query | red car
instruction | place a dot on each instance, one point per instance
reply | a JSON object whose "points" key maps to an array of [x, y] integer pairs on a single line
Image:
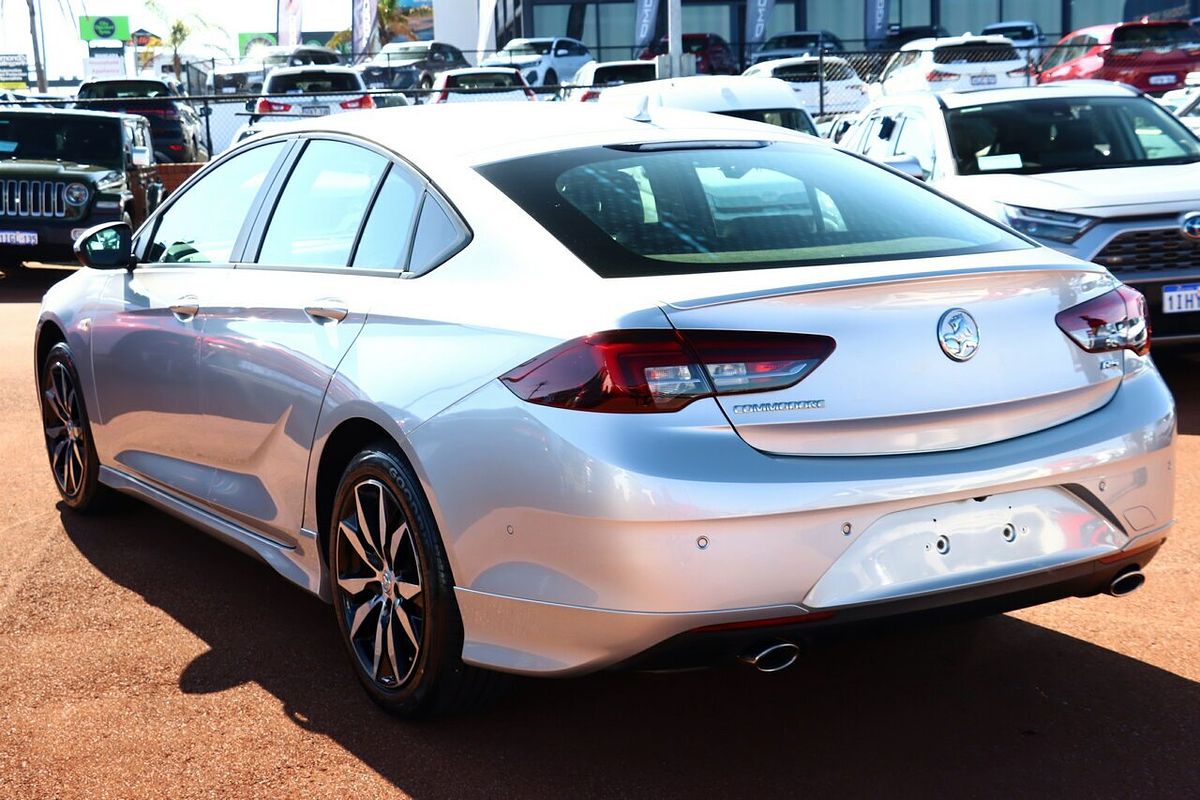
{"points": [[1152, 56], [713, 56]]}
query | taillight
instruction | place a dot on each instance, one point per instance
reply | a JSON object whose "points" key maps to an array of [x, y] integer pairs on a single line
{"points": [[936, 76], [443, 97], [590, 95], [265, 106], [1113, 321], [1020, 72], [359, 102], [664, 370]]}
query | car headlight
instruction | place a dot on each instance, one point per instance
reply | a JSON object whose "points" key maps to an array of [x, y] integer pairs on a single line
{"points": [[531, 77], [77, 193], [1057, 226]]}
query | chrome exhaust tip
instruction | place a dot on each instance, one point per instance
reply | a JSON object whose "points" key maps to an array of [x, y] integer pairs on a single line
{"points": [[772, 657], [1126, 583]]}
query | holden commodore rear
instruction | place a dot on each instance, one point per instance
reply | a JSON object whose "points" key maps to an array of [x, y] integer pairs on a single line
{"points": [[669, 392]]}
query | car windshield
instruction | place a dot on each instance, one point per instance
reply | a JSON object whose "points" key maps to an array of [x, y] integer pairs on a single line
{"points": [[484, 80], [792, 41], [678, 208], [791, 118], [313, 81], [82, 140], [624, 73], [1136, 37], [809, 73], [974, 53], [1060, 134], [111, 90], [528, 48], [1011, 31]]}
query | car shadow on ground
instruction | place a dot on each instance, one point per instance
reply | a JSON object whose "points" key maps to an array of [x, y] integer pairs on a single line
{"points": [[28, 284], [1180, 367], [997, 707]]}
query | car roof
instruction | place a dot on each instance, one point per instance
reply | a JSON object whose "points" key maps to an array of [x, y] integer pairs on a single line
{"points": [[708, 93], [944, 41], [1011, 23], [71, 112], [447, 136], [335, 68], [1054, 89], [124, 79], [479, 70], [793, 60]]}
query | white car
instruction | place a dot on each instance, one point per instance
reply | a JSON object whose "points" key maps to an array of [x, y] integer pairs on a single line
{"points": [[956, 64], [480, 84], [842, 90], [542, 62], [595, 76], [310, 91], [766, 100], [1094, 169]]}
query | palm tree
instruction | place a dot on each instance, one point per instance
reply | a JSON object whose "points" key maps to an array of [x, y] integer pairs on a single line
{"points": [[178, 31], [391, 24]]}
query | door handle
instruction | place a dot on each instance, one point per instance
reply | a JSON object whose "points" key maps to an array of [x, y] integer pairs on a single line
{"points": [[185, 308], [327, 311]]}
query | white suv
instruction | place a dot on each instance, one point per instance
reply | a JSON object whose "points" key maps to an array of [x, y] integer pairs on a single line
{"points": [[1091, 168], [542, 62], [956, 63]]}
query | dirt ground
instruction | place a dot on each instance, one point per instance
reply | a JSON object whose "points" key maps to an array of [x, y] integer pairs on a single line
{"points": [[139, 658]]}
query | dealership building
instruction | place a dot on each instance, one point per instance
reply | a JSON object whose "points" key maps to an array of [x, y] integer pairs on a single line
{"points": [[607, 26]]}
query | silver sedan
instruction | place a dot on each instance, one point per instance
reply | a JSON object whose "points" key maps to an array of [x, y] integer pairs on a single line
{"points": [[591, 391]]}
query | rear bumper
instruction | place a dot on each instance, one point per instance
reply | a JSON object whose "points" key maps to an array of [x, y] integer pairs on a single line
{"points": [[576, 546]]}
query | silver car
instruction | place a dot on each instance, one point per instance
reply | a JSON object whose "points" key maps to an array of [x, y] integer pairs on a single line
{"points": [[594, 391]]}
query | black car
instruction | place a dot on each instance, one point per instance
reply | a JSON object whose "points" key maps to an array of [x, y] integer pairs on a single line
{"points": [[177, 129], [248, 75], [61, 172], [411, 65]]}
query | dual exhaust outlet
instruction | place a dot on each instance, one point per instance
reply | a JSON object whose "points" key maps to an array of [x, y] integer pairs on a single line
{"points": [[776, 656]]}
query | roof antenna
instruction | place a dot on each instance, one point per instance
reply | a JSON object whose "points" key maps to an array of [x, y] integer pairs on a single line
{"points": [[642, 112]]}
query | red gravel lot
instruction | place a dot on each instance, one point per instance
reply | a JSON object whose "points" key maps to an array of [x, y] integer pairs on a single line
{"points": [[139, 658]]}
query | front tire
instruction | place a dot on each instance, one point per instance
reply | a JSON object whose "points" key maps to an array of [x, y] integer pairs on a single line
{"points": [[393, 594], [68, 433], [551, 78]]}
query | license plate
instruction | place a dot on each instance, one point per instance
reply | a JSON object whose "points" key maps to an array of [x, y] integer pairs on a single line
{"points": [[1181, 297], [19, 237], [228, 89], [314, 111], [983, 80], [376, 85], [1162, 80]]}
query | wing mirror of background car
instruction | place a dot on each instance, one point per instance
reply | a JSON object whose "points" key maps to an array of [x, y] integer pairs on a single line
{"points": [[561, 52], [107, 246], [907, 165], [139, 156]]}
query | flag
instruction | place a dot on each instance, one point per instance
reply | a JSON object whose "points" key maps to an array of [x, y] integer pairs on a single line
{"points": [[645, 23], [287, 21], [758, 14], [875, 21], [363, 16]]}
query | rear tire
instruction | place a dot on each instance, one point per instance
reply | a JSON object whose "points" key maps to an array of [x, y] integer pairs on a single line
{"points": [[68, 434], [393, 595], [551, 78]]}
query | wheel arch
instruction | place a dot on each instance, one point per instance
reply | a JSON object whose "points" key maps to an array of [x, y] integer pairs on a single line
{"points": [[49, 333]]}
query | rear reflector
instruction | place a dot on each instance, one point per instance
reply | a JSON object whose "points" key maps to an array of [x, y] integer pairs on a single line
{"points": [[1113, 321], [639, 371]]}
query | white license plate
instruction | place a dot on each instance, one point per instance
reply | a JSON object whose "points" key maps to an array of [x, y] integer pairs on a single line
{"points": [[19, 237], [376, 85], [314, 111], [983, 80], [1181, 297], [228, 89], [1162, 80]]}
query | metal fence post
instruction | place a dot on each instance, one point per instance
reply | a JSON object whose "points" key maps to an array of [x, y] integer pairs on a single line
{"points": [[820, 78], [208, 127]]}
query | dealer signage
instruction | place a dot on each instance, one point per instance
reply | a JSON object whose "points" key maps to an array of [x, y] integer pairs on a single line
{"points": [[93, 28], [14, 71]]}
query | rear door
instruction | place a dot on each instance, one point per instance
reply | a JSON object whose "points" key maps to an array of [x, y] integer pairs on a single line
{"points": [[278, 323]]}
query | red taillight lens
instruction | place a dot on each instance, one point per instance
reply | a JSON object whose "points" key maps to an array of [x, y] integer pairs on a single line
{"points": [[1113, 321], [443, 97], [590, 95], [175, 148], [1020, 72], [359, 102], [265, 106], [936, 76], [664, 370]]}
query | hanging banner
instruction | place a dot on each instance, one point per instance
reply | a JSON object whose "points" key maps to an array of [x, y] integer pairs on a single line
{"points": [[287, 21], [645, 22], [875, 21], [758, 15], [363, 15]]}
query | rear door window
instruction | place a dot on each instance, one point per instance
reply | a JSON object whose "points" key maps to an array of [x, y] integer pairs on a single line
{"points": [[319, 213]]}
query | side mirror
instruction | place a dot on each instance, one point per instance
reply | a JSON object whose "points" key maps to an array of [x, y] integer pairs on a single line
{"points": [[140, 156], [562, 51], [907, 165], [107, 246]]}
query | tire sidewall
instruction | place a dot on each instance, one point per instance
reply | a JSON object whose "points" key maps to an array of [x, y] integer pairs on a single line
{"points": [[87, 495], [441, 634]]}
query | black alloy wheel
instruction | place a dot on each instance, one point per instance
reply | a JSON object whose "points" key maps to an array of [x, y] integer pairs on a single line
{"points": [[68, 434], [393, 595]]}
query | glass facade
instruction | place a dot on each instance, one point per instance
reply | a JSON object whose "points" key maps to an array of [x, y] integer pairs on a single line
{"points": [[606, 26]]}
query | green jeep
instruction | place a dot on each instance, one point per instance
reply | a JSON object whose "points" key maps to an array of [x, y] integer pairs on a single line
{"points": [[61, 172]]}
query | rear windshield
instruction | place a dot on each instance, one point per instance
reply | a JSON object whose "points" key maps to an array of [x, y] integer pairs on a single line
{"points": [[691, 44], [689, 208], [1012, 31], [116, 89], [1140, 36], [808, 73], [314, 81], [791, 118], [974, 53], [484, 80], [1060, 134], [83, 140], [624, 73]]}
